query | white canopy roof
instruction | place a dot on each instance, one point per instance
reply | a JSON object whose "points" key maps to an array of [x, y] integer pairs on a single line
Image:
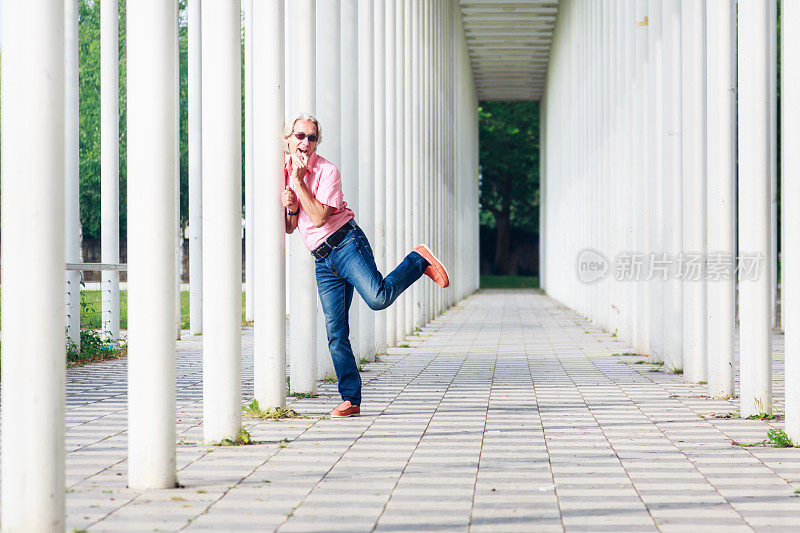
{"points": [[509, 46]]}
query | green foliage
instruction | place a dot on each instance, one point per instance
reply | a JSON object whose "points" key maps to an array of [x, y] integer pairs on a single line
{"points": [[242, 439], [775, 437], [95, 346], [89, 113], [509, 163], [275, 413]]}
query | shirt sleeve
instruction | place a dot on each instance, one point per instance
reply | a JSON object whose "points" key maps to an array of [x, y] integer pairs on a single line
{"points": [[330, 188]]}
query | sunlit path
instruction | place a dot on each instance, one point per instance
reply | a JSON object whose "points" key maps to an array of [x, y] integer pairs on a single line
{"points": [[509, 412]]}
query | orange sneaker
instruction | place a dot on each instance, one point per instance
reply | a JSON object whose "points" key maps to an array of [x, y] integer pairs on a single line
{"points": [[345, 409], [436, 271]]}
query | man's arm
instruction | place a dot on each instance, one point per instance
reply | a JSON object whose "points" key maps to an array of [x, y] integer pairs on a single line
{"points": [[316, 210]]}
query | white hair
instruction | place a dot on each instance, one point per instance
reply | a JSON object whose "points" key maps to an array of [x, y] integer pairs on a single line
{"points": [[288, 128]]}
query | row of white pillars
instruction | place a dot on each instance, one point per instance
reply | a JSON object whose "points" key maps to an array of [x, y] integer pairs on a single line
{"points": [[34, 191], [660, 124]]}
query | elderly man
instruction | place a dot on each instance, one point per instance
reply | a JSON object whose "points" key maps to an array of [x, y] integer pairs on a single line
{"points": [[315, 205]]}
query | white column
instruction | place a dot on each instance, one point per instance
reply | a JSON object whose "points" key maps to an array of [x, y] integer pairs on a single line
{"points": [[177, 233], [391, 155], [222, 212], [32, 441], [249, 148], [381, 164], [755, 394], [721, 191], [329, 112], [790, 196], [269, 353], [303, 320], [673, 293], [416, 152], [349, 137], [72, 210], [366, 164], [773, 158], [408, 177], [693, 113], [656, 172], [109, 163], [400, 160], [151, 26], [195, 140]]}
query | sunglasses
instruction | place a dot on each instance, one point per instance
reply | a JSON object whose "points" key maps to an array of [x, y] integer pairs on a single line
{"points": [[311, 137]]}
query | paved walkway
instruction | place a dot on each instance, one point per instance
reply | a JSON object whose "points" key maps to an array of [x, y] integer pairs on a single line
{"points": [[507, 413]]}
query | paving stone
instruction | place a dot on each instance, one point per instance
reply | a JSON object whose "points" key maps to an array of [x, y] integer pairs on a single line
{"points": [[509, 412]]}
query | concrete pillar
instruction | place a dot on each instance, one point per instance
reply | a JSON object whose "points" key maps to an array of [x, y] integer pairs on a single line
{"points": [[790, 196], [408, 176], [329, 112], [693, 62], [755, 298], [673, 216], [222, 201], [721, 193], [349, 166], [303, 321], [176, 227], [249, 148], [269, 353], [195, 140], [366, 177], [416, 148], [400, 162], [151, 27], [72, 210], [391, 156], [381, 164], [773, 158], [32, 437], [109, 164]]}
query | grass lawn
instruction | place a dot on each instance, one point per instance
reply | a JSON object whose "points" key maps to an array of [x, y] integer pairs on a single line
{"points": [[509, 282], [91, 307]]}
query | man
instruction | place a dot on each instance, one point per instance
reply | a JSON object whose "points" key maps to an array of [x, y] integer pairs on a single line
{"points": [[343, 257]]}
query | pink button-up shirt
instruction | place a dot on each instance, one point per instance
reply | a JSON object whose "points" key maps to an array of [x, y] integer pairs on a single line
{"points": [[325, 183]]}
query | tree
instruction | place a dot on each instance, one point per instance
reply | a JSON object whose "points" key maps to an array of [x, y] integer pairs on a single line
{"points": [[89, 61], [509, 168]]}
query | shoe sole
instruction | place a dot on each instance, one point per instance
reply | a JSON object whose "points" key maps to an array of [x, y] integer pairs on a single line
{"points": [[333, 417], [447, 274]]}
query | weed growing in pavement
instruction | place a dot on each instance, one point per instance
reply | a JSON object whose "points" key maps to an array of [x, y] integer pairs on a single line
{"points": [[329, 379], [702, 382], [276, 413], [775, 437], [640, 362], [404, 345], [673, 395], [95, 346], [654, 370], [242, 439], [676, 371], [201, 491], [796, 492], [765, 416]]}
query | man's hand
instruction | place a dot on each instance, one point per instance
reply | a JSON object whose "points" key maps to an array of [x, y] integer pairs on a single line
{"points": [[289, 200], [299, 165]]}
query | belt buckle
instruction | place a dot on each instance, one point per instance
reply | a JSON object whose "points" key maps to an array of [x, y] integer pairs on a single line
{"points": [[322, 250]]}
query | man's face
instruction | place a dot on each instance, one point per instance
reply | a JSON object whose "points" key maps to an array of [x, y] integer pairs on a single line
{"points": [[303, 148]]}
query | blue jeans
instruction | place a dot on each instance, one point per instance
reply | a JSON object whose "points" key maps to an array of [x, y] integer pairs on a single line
{"points": [[351, 265]]}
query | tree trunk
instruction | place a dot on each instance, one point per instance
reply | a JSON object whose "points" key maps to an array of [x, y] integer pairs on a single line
{"points": [[501, 251]]}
